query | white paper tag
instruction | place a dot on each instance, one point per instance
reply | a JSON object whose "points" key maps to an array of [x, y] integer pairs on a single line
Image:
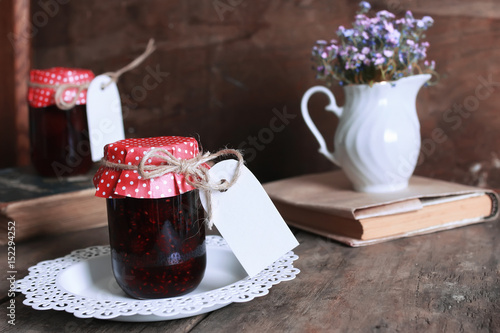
{"points": [[104, 115], [248, 220]]}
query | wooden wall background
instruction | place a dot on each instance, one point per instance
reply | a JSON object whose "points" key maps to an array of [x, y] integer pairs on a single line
{"points": [[233, 65]]}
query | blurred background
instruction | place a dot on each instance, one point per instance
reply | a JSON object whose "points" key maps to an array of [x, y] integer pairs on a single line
{"points": [[232, 73]]}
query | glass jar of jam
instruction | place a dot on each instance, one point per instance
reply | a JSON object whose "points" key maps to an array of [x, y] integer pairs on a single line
{"points": [[156, 229], [59, 139]]}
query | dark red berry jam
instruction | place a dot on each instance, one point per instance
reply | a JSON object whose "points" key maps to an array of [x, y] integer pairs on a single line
{"points": [[59, 141], [157, 245]]}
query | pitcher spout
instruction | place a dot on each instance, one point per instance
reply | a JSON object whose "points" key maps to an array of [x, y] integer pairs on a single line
{"points": [[417, 81]]}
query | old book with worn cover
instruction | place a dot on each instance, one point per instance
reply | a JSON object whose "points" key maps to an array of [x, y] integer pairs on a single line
{"points": [[40, 205], [326, 204]]}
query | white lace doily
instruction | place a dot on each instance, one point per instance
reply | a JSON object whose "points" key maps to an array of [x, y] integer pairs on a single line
{"points": [[82, 283]]}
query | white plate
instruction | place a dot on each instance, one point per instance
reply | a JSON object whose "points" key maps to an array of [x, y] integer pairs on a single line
{"points": [[82, 283]]}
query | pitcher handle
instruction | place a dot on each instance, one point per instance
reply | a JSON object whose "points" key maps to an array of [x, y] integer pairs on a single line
{"points": [[333, 107]]}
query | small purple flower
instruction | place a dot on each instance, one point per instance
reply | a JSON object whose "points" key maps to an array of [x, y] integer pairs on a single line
{"points": [[374, 21], [428, 21], [333, 49], [361, 19], [422, 53], [388, 53], [348, 32], [379, 61], [388, 27], [365, 5], [359, 57], [384, 14], [409, 19], [393, 37], [352, 48]]}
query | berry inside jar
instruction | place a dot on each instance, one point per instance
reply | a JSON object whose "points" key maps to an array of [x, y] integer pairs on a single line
{"points": [[157, 245]]}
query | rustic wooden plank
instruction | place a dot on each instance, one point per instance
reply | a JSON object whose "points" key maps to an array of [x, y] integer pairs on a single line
{"points": [[56, 321], [29, 320], [482, 9], [442, 282], [228, 70], [14, 69], [448, 281], [7, 93], [22, 49], [467, 150]]}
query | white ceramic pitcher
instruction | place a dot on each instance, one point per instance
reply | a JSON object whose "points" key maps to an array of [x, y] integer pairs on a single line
{"points": [[377, 141]]}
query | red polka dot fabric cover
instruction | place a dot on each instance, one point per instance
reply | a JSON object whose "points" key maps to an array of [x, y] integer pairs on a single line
{"points": [[39, 97], [114, 183]]}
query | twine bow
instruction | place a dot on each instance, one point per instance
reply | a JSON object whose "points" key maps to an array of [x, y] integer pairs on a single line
{"points": [[60, 89], [194, 171]]}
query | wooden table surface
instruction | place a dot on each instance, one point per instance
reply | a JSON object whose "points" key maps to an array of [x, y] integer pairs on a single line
{"points": [[443, 282]]}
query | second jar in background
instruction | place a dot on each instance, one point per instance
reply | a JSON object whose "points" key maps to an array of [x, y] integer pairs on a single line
{"points": [[59, 139]]}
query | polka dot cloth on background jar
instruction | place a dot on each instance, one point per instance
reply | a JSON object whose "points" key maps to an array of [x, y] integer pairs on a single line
{"points": [[156, 229], [59, 142]]}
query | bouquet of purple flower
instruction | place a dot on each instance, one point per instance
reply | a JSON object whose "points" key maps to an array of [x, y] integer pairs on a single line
{"points": [[380, 48]]}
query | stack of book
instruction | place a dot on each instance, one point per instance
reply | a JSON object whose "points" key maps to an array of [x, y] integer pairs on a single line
{"points": [[326, 204]]}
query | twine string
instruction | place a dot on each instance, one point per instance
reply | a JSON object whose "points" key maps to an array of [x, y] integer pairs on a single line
{"points": [[194, 171], [150, 48]]}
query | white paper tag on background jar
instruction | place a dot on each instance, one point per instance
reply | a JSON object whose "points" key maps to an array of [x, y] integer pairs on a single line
{"points": [[248, 220], [104, 115]]}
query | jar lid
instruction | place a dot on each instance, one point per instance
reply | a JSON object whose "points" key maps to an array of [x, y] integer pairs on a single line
{"points": [[119, 183], [44, 84]]}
